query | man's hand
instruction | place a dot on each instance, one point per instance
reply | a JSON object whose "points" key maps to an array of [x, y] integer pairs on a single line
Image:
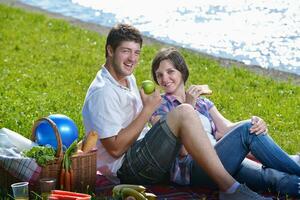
{"points": [[194, 92], [151, 101], [258, 125]]}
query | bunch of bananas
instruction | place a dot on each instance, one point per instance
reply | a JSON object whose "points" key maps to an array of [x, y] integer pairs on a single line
{"points": [[138, 192]]}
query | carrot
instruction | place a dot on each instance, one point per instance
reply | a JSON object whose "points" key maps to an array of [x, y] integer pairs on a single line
{"points": [[63, 197], [62, 178], [62, 174], [67, 181], [71, 178], [53, 198], [75, 194], [67, 172], [68, 197]]}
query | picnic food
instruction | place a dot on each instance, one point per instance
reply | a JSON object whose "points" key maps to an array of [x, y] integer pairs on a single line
{"points": [[79, 145], [90, 142], [117, 189], [207, 92], [138, 192], [41, 154], [126, 192], [60, 194], [148, 86], [150, 196], [67, 174]]}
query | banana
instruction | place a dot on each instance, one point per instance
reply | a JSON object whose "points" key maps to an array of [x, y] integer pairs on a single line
{"points": [[149, 196], [125, 192], [117, 189]]}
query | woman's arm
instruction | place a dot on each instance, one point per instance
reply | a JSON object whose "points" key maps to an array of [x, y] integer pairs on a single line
{"points": [[194, 91], [223, 125]]}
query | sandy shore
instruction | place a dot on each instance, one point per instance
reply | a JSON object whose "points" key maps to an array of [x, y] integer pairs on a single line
{"points": [[275, 74]]}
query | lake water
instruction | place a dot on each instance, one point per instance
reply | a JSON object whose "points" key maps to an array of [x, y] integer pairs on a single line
{"points": [[258, 32]]}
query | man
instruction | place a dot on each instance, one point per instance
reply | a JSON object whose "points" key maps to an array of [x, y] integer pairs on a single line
{"points": [[119, 112]]}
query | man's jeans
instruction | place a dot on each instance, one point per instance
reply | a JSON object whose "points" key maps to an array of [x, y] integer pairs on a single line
{"points": [[149, 160], [279, 172]]}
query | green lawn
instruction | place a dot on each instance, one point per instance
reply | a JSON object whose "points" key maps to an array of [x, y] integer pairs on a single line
{"points": [[46, 67]]}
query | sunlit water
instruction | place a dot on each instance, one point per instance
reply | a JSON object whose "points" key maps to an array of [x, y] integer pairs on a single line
{"points": [[264, 33]]}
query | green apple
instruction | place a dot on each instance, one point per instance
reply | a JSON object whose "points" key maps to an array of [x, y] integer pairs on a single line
{"points": [[148, 86]]}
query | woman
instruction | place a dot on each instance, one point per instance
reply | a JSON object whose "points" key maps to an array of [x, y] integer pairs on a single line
{"points": [[233, 141]]}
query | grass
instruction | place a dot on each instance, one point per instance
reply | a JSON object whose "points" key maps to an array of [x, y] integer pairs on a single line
{"points": [[47, 65]]}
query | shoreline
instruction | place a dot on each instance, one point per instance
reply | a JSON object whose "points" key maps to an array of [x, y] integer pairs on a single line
{"points": [[102, 30]]}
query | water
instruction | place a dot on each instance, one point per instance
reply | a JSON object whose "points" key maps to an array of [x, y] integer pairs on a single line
{"points": [[264, 33]]}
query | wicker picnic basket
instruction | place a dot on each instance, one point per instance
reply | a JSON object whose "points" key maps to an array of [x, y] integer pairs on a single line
{"points": [[83, 165]]}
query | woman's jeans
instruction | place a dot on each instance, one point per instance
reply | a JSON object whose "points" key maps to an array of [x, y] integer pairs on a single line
{"points": [[278, 172]]}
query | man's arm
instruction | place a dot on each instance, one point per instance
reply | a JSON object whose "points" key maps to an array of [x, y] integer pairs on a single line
{"points": [[117, 145]]}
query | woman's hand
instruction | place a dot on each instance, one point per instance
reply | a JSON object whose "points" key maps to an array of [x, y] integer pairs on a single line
{"points": [[258, 126], [194, 92]]}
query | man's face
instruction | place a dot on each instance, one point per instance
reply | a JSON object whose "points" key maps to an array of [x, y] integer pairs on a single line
{"points": [[125, 58]]}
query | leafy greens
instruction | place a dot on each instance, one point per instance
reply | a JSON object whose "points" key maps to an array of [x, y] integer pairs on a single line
{"points": [[42, 154]]}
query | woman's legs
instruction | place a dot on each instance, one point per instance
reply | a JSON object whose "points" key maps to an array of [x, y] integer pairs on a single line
{"points": [[239, 142], [267, 179], [232, 150]]}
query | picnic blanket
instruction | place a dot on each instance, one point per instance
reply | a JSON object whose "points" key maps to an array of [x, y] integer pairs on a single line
{"points": [[169, 192]]}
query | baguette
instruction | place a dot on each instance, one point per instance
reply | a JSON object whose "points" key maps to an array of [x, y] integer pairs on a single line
{"points": [[79, 145], [90, 142]]}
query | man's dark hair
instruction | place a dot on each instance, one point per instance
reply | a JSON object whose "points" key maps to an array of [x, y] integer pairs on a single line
{"points": [[173, 56], [121, 33]]}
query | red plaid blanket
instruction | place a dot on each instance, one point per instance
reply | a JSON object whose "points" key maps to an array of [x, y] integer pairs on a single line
{"points": [[167, 192]]}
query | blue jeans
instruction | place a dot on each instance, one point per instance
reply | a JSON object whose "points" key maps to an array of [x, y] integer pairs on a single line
{"points": [[278, 172]]}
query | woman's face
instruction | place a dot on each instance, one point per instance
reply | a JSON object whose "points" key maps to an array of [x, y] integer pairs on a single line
{"points": [[168, 77]]}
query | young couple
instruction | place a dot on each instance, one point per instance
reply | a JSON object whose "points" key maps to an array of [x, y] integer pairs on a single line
{"points": [[131, 152]]}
